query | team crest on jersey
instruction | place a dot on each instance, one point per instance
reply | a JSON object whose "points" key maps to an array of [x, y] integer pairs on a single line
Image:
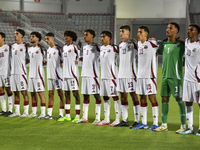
{"points": [[30, 52], [37, 52], [120, 47], [194, 50], [174, 46], [84, 49], [185, 46], [47, 52], [21, 50], [54, 53], [6, 50], [129, 46], [109, 51], [145, 47], [69, 50]]}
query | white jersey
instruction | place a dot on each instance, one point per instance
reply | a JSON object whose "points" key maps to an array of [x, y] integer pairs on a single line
{"points": [[192, 61], [127, 57], [90, 67], [5, 60], [54, 60], [18, 59], [147, 59], [36, 56], [70, 54], [108, 62]]}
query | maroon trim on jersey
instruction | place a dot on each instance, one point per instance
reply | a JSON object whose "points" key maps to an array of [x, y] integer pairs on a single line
{"points": [[23, 69], [40, 76], [112, 72], [97, 48], [97, 82], [58, 75], [94, 72], [115, 50], [153, 76], [25, 47], [114, 82], [74, 76], [2, 94], [59, 49], [25, 79], [135, 77], [197, 75], [153, 80], [152, 44], [75, 51], [135, 46], [197, 40]]}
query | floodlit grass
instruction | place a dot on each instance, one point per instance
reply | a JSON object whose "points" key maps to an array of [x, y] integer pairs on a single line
{"points": [[24, 133]]}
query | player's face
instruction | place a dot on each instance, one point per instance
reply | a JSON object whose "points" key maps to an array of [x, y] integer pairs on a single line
{"points": [[88, 37], [34, 39], [1, 39], [49, 39], [18, 36], [105, 39], [171, 30], [192, 31], [141, 35], [68, 39], [124, 33]]}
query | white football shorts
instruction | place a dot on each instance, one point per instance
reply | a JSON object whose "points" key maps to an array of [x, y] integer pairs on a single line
{"points": [[126, 85], [18, 82], [36, 85], [4, 81], [146, 86], [54, 84], [70, 84], [90, 85], [108, 87]]}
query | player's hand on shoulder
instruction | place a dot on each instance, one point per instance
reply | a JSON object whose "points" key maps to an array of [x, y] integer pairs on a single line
{"points": [[27, 45], [76, 62], [133, 40], [152, 38]]}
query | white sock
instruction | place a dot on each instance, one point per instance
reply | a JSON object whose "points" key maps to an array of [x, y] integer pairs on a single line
{"points": [[10, 103], [136, 109], [17, 108], [189, 116], [98, 111], [199, 118], [61, 112], [26, 107], [124, 112], [3, 102], [49, 110], [67, 110], [155, 111], [34, 109], [117, 110], [85, 111], [77, 108], [143, 111], [43, 108], [107, 110]]}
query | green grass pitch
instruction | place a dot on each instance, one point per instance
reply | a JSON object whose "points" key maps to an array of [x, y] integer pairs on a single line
{"points": [[25, 133]]}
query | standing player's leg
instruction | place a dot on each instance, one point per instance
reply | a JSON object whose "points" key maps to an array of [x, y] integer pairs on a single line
{"points": [[77, 105], [155, 111], [34, 105], [10, 101], [106, 120], [117, 111], [124, 106], [61, 109], [136, 109], [43, 104], [16, 104], [50, 105], [97, 109], [143, 111], [3, 101], [198, 133], [26, 104]]}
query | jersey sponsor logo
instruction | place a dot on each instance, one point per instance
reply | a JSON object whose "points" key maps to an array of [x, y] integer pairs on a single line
{"points": [[194, 50], [109, 51], [37, 52], [145, 47], [21, 50], [6, 50], [54, 53], [69, 51], [174, 46]]}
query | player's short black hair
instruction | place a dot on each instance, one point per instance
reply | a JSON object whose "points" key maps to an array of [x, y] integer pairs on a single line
{"points": [[126, 26], [50, 34], [146, 29], [176, 25], [91, 31], [21, 31], [37, 34], [196, 26], [107, 33], [71, 34], [3, 35]]}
